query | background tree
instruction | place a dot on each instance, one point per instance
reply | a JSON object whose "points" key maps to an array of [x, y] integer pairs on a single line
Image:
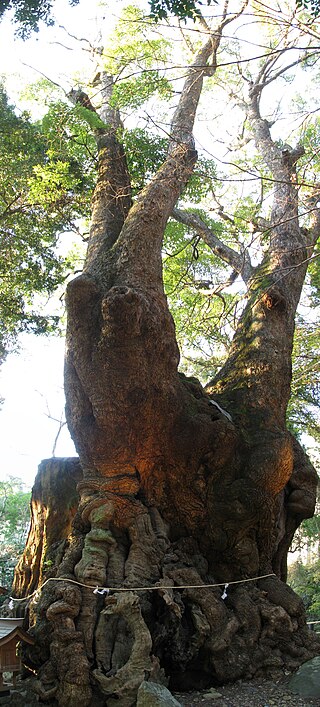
{"points": [[303, 573], [28, 14], [15, 516], [183, 487], [304, 579], [44, 177]]}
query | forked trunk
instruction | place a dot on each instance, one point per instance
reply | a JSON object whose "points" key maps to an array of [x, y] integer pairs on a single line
{"points": [[179, 495]]}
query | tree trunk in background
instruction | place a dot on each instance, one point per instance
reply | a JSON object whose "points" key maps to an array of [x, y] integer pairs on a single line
{"points": [[175, 495], [255, 381], [54, 502]]}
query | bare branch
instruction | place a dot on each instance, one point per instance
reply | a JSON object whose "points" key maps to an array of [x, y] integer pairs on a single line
{"points": [[239, 262], [313, 232], [184, 116], [108, 114], [286, 68], [45, 76]]}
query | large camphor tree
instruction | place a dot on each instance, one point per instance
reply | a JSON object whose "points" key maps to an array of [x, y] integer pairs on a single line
{"points": [[181, 486]]}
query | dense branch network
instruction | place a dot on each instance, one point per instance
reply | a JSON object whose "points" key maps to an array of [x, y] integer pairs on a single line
{"points": [[281, 161], [238, 261]]}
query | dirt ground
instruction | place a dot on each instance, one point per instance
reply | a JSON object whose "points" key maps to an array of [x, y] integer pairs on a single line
{"points": [[256, 693]]}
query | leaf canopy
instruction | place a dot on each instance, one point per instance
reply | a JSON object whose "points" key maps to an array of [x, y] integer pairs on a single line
{"points": [[42, 194], [14, 517]]}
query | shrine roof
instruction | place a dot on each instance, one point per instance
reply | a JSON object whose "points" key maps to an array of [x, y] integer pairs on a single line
{"points": [[12, 628]]}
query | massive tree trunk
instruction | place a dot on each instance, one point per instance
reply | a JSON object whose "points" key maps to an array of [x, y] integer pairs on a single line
{"points": [[177, 492]]}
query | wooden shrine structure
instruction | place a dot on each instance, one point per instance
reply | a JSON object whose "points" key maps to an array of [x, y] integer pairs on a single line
{"points": [[11, 633]]}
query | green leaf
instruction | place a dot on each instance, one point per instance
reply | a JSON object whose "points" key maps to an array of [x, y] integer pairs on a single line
{"points": [[47, 172]]}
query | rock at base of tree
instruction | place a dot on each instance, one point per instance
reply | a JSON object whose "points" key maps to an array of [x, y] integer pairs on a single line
{"points": [[212, 694], [151, 694], [306, 681]]}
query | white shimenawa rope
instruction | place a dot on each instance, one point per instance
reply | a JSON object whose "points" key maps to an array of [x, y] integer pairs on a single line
{"points": [[106, 590]]}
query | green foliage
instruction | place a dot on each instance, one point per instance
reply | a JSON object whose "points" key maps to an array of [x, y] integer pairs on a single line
{"points": [[183, 9], [133, 93], [88, 116], [146, 151], [314, 273], [134, 56], [28, 14], [192, 275], [310, 529], [44, 176], [134, 42], [303, 409], [305, 580], [70, 141], [42, 92], [307, 536], [14, 517], [312, 5], [201, 182]]}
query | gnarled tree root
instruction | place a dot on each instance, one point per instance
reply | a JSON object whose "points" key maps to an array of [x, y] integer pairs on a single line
{"points": [[66, 674], [120, 683]]}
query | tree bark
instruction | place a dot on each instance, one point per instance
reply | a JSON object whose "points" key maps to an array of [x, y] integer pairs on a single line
{"points": [[54, 502], [178, 493]]}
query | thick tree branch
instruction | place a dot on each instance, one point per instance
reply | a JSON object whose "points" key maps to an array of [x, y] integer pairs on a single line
{"points": [[112, 196], [184, 116], [261, 130], [286, 68], [287, 240], [261, 127], [109, 114], [183, 119], [239, 262], [155, 203]]}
